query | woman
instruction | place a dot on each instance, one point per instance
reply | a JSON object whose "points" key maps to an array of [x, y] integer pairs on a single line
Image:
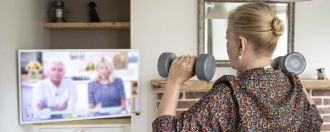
{"points": [[260, 98], [106, 90]]}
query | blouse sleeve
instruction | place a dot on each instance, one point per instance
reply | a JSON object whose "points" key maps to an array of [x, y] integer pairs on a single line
{"points": [[91, 99], [121, 89], [202, 116], [314, 120]]}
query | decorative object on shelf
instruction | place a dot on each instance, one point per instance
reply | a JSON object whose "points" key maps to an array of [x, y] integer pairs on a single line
{"points": [[133, 58], [90, 66], [135, 90], [93, 13], [33, 68], [321, 74], [73, 55], [119, 61], [80, 78], [58, 12], [82, 55]]}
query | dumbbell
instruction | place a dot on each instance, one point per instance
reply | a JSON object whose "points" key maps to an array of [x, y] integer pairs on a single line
{"points": [[292, 62], [204, 67]]}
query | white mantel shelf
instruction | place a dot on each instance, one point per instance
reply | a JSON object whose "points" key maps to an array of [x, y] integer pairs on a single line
{"points": [[197, 85]]}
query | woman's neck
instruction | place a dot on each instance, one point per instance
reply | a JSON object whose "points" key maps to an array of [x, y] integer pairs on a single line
{"points": [[104, 81], [253, 63]]}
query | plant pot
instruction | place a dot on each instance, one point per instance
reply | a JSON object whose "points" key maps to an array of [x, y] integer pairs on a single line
{"points": [[33, 76]]}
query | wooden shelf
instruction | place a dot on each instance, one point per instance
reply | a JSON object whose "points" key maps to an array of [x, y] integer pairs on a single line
{"points": [[316, 84], [197, 85], [190, 85], [88, 25]]}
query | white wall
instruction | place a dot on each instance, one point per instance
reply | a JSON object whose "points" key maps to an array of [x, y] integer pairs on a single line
{"points": [[312, 35], [161, 26], [20, 28]]}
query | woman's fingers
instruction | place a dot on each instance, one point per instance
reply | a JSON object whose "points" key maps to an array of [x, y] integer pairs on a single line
{"points": [[182, 68], [192, 61], [187, 58], [176, 59], [187, 63], [181, 58]]}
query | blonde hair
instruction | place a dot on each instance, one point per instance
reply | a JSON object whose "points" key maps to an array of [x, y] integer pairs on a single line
{"points": [[257, 22], [108, 62]]}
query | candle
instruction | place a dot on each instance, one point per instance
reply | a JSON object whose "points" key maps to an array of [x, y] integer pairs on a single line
{"points": [[59, 13]]}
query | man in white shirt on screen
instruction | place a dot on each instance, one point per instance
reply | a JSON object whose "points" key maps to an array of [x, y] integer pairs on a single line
{"points": [[54, 93]]}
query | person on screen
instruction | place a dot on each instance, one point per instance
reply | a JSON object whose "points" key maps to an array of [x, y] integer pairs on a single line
{"points": [[55, 93], [107, 90]]}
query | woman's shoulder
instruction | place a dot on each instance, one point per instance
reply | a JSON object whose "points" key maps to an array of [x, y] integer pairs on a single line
{"points": [[226, 85], [118, 80], [226, 80], [92, 83], [221, 86]]}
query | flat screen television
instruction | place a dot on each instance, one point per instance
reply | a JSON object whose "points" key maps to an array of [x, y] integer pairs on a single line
{"points": [[62, 85]]}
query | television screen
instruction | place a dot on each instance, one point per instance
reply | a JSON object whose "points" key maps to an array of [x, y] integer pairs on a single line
{"points": [[59, 85]]}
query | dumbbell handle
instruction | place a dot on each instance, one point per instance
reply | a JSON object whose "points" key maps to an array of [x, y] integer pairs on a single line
{"points": [[193, 67], [167, 67]]}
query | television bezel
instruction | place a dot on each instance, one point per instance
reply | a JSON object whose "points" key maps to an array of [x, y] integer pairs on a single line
{"points": [[79, 118]]}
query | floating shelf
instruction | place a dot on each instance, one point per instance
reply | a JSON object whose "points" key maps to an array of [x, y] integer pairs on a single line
{"points": [[88, 25]]}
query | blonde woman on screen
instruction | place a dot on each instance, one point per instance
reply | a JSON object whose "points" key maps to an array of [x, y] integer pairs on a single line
{"points": [[107, 90]]}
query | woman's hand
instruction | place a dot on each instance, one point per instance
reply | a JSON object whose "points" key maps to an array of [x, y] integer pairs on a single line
{"points": [[123, 104], [62, 107], [41, 105], [99, 105], [182, 69]]}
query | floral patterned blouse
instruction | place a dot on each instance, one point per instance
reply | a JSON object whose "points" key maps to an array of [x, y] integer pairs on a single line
{"points": [[259, 99]]}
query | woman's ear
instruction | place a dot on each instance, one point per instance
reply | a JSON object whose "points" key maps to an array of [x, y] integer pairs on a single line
{"points": [[242, 42]]}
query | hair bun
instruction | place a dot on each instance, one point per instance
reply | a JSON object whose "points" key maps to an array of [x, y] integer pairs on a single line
{"points": [[278, 26]]}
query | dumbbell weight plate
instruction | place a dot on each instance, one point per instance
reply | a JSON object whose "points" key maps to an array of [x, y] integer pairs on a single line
{"points": [[205, 67], [293, 62], [164, 63]]}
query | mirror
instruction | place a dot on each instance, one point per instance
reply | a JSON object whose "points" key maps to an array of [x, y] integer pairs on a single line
{"points": [[213, 25]]}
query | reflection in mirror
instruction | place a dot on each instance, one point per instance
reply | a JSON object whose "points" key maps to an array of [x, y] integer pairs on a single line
{"points": [[216, 14]]}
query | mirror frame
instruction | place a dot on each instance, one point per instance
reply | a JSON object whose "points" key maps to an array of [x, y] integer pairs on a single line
{"points": [[201, 25]]}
